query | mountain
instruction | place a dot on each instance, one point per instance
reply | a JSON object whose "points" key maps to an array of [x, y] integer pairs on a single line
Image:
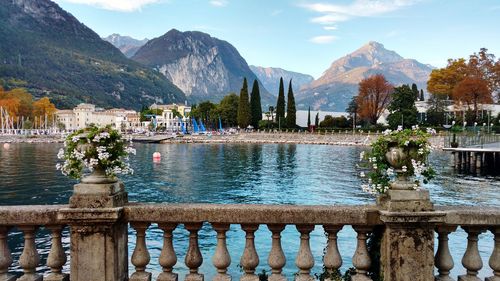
{"points": [[127, 45], [203, 67], [339, 83], [51, 53], [270, 78]]}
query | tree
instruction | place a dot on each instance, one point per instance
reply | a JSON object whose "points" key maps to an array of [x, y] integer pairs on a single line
{"points": [[442, 81], [228, 110], [472, 90], [414, 89], [316, 120], [280, 105], [271, 110], [255, 106], [291, 111], [244, 117], [352, 109], [309, 118], [437, 110], [373, 97], [402, 108], [43, 107], [11, 105], [422, 98]]}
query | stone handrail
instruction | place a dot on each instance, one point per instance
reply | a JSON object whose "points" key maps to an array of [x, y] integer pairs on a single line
{"points": [[254, 214]]}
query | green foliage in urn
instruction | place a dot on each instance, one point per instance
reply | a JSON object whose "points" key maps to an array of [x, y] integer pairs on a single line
{"points": [[399, 153], [95, 148]]}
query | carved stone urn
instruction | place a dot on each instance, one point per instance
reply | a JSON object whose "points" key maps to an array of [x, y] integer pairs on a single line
{"points": [[402, 195]]}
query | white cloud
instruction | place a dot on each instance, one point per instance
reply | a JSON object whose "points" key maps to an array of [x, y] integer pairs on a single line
{"points": [[330, 27], [114, 5], [218, 3], [324, 39], [332, 13]]}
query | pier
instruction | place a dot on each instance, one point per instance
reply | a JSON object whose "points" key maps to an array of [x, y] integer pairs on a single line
{"points": [[477, 159]]}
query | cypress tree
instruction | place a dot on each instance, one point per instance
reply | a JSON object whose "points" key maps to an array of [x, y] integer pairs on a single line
{"points": [[291, 111], [316, 121], [422, 95], [414, 89], [280, 106], [244, 107], [309, 118], [255, 106]]}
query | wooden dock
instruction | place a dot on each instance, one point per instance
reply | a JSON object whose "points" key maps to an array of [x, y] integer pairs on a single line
{"points": [[477, 159]]}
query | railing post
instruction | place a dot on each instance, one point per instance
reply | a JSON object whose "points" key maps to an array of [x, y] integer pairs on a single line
{"points": [[494, 261], [57, 256], [276, 259], [99, 250], [305, 259], [407, 249], [5, 256], [250, 259], [193, 258], [471, 259], [168, 258], [443, 259], [29, 259], [140, 256], [221, 258]]}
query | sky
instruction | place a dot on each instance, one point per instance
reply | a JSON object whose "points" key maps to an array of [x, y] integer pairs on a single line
{"points": [[307, 35]]}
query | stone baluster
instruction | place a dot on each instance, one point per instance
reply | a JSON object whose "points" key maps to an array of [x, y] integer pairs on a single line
{"points": [[443, 259], [29, 259], [305, 259], [140, 256], [168, 257], [5, 256], [471, 259], [57, 256], [361, 259], [193, 259], [276, 259], [494, 261], [332, 259], [221, 258], [250, 259]]}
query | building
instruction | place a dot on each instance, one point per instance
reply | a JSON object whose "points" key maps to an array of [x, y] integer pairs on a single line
{"points": [[85, 114], [172, 116]]}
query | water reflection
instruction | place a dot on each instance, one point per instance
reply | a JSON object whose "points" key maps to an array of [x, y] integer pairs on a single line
{"points": [[237, 173]]}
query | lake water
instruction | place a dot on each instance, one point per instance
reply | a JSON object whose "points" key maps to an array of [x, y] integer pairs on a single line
{"points": [[238, 173]]}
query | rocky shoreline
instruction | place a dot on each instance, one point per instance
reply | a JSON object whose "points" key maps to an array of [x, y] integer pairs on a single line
{"points": [[345, 139]]}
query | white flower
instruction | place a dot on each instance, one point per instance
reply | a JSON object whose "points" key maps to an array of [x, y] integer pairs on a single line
{"points": [[390, 171], [93, 162], [407, 143], [362, 174], [431, 131], [362, 155], [60, 154], [130, 150], [400, 128], [75, 139], [387, 132], [58, 166], [404, 169]]}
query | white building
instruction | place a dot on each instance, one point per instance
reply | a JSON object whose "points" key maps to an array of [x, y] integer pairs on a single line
{"points": [[172, 115], [85, 114]]}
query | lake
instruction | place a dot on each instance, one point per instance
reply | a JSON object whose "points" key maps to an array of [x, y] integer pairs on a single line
{"points": [[238, 173]]}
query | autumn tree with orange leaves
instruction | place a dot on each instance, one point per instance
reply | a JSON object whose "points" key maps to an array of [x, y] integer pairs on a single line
{"points": [[472, 90], [18, 103], [373, 97]]}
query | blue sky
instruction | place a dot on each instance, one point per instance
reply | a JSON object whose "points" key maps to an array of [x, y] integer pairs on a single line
{"points": [[305, 35]]}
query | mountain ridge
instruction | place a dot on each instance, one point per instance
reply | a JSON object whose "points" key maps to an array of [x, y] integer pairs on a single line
{"points": [[270, 76], [51, 53], [204, 67], [339, 83], [126, 44]]}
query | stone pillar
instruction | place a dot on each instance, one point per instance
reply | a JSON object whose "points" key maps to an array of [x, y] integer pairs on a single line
{"points": [[98, 230], [407, 250]]}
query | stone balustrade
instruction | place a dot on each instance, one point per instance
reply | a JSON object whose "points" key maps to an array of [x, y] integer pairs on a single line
{"points": [[140, 217]]}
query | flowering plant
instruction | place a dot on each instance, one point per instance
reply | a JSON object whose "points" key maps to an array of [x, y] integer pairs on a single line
{"points": [[95, 148], [397, 154]]}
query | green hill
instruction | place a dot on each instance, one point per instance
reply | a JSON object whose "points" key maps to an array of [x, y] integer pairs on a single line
{"points": [[48, 51]]}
